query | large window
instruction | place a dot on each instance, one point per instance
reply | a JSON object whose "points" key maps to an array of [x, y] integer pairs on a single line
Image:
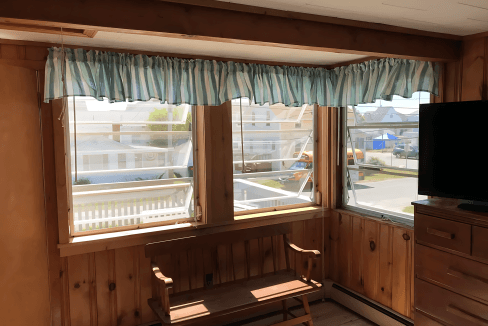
{"points": [[382, 155], [273, 157], [131, 163]]}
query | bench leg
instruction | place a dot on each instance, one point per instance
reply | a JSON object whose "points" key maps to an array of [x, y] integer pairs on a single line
{"points": [[306, 307], [285, 310]]}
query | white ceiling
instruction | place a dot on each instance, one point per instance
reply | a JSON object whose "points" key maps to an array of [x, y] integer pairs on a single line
{"points": [[188, 47], [458, 17]]}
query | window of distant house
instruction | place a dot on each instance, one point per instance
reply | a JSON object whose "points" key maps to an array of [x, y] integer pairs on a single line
{"points": [[382, 156], [276, 166], [131, 164]]}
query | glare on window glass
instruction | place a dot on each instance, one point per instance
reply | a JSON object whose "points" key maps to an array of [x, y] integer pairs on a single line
{"points": [[272, 158], [382, 154], [131, 163]]}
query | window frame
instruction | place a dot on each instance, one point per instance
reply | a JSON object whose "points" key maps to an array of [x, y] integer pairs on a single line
{"points": [[395, 217], [317, 196], [65, 189], [200, 130]]}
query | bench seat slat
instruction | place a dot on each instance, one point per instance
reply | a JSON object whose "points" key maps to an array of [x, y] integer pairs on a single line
{"points": [[234, 297]]}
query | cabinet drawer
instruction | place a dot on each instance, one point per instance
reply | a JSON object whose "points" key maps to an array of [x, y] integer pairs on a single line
{"points": [[462, 275], [449, 307], [444, 233], [423, 320], [480, 242]]}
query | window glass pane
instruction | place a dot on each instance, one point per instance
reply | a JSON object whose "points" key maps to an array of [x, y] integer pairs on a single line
{"points": [[131, 163], [277, 156], [382, 175]]}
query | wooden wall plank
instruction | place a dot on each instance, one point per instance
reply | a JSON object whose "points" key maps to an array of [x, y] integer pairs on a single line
{"points": [[145, 273], [103, 289], [371, 258], [385, 265], [222, 260], [401, 272], [326, 245], [199, 268], [79, 290], [473, 69], [357, 278], [345, 250], [334, 237], [125, 284]]}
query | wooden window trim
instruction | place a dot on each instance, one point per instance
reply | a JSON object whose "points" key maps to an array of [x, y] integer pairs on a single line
{"points": [[63, 187], [214, 190], [122, 239]]}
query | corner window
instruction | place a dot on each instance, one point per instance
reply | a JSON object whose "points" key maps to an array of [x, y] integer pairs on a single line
{"points": [[130, 164], [274, 167], [382, 156]]}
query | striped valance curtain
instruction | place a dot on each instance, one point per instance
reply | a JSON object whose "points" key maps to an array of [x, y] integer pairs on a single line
{"points": [[127, 77]]}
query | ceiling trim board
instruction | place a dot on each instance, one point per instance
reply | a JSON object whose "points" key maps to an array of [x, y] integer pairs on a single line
{"points": [[33, 27], [347, 63], [191, 21], [161, 54], [311, 17], [475, 36]]}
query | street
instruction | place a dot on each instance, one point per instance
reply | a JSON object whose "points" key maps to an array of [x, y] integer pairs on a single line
{"points": [[392, 195], [391, 160]]}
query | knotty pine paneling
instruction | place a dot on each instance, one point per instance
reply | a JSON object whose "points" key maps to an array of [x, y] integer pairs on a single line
{"points": [[374, 258], [112, 287]]}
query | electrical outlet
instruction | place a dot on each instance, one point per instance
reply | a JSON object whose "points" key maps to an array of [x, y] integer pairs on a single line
{"points": [[209, 280]]}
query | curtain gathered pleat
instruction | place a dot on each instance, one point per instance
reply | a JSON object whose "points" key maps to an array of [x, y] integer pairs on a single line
{"points": [[127, 77]]}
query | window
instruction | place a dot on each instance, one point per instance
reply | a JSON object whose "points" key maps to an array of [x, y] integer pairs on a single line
{"points": [[277, 168], [131, 164], [387, 146]]}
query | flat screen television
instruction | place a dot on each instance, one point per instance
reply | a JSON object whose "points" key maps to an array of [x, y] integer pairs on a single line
{"points": [[453, 152]]}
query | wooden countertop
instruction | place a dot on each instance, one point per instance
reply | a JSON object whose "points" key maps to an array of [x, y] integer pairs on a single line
{"points": [[447, 208]]}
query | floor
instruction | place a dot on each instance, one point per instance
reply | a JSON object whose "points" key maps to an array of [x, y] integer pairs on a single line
{"points": [[328, 313]]}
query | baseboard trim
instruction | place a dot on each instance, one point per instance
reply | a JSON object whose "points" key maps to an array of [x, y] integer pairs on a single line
{"points": [[371, 310]]}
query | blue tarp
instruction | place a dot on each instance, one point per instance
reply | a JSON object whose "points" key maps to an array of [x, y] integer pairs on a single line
{"points": [[380, 141]]}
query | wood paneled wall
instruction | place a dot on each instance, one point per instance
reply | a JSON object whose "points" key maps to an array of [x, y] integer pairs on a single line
{"points": [[112, 287], [374, 258], [467, 79]]}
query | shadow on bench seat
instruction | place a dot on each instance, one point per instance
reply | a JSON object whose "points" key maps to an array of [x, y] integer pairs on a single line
{"points": [[214, 300]]}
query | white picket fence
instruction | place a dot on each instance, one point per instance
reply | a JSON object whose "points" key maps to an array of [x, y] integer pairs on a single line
{"points": [[95, 207]]}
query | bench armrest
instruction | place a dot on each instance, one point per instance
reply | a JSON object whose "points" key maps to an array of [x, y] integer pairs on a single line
{"points": [[314, 254], [161, 284], [168, 281], [310, 254]]}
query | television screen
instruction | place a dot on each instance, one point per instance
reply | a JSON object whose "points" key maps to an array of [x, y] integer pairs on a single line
{"points": [[453, 150]]}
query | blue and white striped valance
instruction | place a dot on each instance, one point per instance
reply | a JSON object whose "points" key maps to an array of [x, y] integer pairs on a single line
{"points": [[121, 77]]}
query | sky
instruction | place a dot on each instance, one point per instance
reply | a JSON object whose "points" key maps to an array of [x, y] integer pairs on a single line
{"points": [[402, 105]]}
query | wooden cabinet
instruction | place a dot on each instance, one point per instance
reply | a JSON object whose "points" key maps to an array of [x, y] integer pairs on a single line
{"points": [[451, 264]]}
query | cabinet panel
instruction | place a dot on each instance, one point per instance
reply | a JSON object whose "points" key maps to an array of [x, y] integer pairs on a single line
{"points": [[480, 242]]}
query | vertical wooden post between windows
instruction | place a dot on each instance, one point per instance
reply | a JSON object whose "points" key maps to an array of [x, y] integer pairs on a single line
{"points": [[215, 172], [63, 179]]}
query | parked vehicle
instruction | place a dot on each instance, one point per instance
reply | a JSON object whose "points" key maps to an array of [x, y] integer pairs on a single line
{"points": [[261, 166], [399, 151], [355, 175], [292, 181]]}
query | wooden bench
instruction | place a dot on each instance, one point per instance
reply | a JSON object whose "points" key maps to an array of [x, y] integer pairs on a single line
{"points": [[198, 278]]}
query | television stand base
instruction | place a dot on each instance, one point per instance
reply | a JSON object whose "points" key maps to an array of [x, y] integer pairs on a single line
{"points": [[474, 207]]}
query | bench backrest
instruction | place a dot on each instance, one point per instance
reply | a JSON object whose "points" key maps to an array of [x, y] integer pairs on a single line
{"points": [[213, 240], [201, 261]]}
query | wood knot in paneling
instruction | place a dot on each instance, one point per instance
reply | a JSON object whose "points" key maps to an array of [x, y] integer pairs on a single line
{"points": [[372, 245], [406, 237]]}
